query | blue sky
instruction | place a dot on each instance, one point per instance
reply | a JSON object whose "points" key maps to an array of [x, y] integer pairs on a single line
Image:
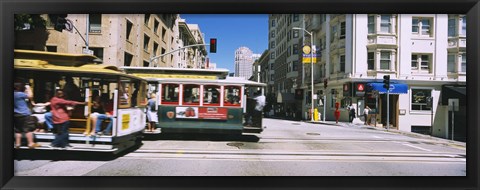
{"points": [[231, 31]]}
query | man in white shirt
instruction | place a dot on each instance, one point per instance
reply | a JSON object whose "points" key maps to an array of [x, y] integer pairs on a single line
{"points": [[260, 103]]}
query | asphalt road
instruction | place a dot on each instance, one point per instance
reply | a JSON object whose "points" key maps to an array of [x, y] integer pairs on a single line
{"points": [[285, 148]]}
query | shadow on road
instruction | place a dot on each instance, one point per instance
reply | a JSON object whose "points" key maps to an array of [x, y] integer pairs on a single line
{"points": [[201, 137], [60, 155]]}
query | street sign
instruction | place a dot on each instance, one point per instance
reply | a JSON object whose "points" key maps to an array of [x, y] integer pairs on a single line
{"points": [[69, 25], [87, 51], [453, 104]]}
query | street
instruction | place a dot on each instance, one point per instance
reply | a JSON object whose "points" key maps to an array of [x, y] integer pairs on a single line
{"points": [[285, 148]]}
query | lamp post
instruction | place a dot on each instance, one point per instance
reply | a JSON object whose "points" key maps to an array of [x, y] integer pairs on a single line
{"points": [[311, 66]]}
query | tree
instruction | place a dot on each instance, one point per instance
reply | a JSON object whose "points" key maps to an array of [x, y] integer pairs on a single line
{"points": [[28, 21], [30, 32]]}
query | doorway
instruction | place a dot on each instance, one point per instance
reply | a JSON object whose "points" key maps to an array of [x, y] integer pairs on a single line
{"points": [[393, 110]]}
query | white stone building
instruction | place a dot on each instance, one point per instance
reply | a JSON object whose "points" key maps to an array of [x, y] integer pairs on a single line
{"points": [[424, 54]]}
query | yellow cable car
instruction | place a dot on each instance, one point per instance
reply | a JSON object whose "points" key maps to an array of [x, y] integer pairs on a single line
{"points": [[124, 97]]}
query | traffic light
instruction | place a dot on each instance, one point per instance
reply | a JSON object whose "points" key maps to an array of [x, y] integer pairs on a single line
{"points": [[213, 45], [386, 82], [60, 22]]}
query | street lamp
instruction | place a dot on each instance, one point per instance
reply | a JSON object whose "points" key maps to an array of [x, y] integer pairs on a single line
{"points": [[311, 64]]}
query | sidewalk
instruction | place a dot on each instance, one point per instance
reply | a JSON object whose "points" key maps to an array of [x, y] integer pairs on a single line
{"points": [[411, 134]]}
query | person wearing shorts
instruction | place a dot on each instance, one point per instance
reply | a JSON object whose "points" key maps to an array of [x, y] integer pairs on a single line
{"points": [[151, 113], [23, 121]]}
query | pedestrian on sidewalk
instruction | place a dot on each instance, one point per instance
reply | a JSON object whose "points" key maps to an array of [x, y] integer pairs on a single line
{"points": [[365, 115], [351, 111]]}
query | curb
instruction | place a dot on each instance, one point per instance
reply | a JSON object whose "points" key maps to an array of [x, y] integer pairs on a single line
{"points": [[450, 142]]}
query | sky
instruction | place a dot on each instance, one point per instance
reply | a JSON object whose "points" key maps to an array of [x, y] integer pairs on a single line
{"points": [[232, 31]]}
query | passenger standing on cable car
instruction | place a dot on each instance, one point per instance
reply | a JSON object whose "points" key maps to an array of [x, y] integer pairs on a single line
{"points": [[152, 113], [22, 115], [257, 113], [61, 119]]}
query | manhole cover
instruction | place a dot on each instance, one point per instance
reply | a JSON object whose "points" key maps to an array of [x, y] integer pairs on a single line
{"points": [[235, 144], [313, 133]]}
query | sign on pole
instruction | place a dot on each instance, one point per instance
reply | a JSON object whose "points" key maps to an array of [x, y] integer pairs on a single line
{"points": [[453, 104], [87, 51]]}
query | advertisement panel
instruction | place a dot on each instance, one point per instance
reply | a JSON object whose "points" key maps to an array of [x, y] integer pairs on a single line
{"points": [[201, 113], [212, 113], [187, 112]]}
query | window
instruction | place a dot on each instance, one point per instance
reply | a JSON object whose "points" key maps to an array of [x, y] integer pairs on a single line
{"points": [[155, 48], [295, 65], [452, 27], [129, 29], [371, 24], [191, 94], [163, 52], [146, 41], [232, 96], [342, 63], [273, 34], [147, 19], [451, 63], [211, 95], [420, 63], [333, 33], [464, 63], [128, 59], [385, 23], [95, 23], [385, 60], [145, 63], [422, 26], [155, 26], [170, 93], [371, 60], [296, 33], [97, 52], [295, 48], [164, 33], [342, 30], [296, 17], [464, 25], [419, 99], [52, 48], [273, 23], [272, 44]]}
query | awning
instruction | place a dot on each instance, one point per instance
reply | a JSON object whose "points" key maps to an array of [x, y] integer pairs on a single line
{"points": [[285, 97], [459, 92], [394, 88]]}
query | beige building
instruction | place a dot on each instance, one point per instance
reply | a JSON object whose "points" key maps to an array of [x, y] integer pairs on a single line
{"points": [[118, 39]]}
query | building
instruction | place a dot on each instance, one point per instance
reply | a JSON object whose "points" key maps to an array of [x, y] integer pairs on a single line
{"points": [[118, 39], [123, 39], [243, 62], [424, 55], [284, 50]]}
